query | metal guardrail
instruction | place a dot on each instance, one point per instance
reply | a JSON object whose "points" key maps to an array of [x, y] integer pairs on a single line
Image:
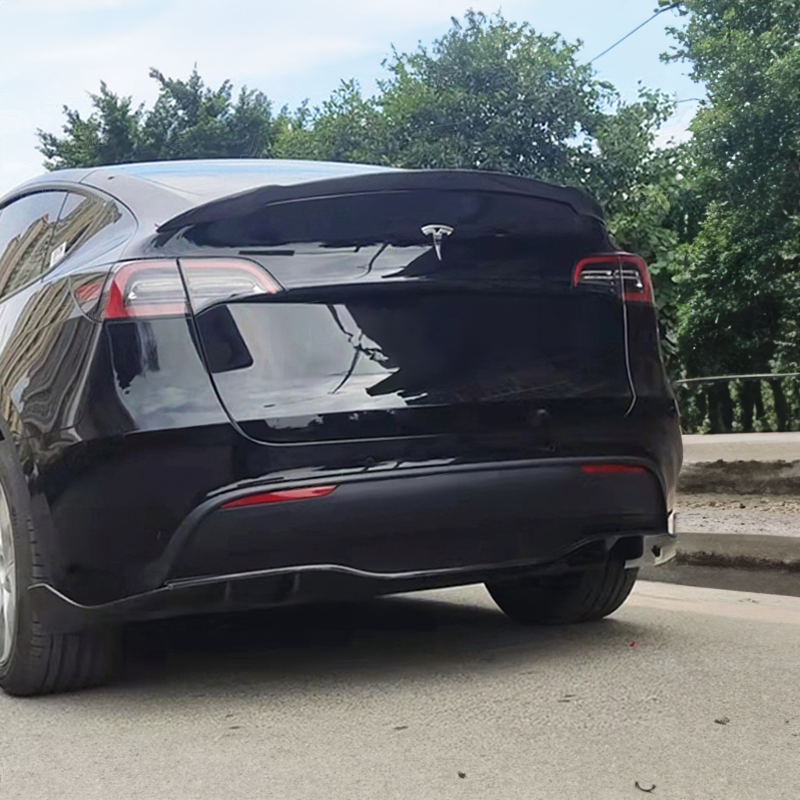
{"points": [[718, 378], [708, 402]]}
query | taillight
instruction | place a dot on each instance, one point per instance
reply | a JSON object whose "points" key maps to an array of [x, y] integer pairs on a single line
{"points": [[280, 496], [156, 288], [616, 271], [145, 289], [210, 280]]}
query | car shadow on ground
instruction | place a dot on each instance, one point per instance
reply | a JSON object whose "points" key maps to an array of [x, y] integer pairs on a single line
{"points": [[405, 635]]}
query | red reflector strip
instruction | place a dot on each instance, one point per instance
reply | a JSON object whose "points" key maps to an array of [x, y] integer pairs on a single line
{"points": [[612, 469], [282, 496]]}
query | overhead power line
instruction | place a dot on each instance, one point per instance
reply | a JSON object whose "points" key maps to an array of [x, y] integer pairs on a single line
{"points": [[650, 19]]}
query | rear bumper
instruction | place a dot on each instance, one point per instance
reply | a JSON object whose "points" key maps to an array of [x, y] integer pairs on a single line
{"points": [[389, 531], [317, 583]]}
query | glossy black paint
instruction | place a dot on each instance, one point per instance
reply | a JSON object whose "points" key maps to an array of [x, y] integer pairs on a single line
{"points": [[394, 363], [122, 436]]}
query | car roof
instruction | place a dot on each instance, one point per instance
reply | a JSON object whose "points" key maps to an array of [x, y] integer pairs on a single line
{"points": [[203, 180], [156, 191]]}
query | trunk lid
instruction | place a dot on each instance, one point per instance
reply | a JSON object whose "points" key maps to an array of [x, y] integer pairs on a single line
{"points": [[413, 313]]}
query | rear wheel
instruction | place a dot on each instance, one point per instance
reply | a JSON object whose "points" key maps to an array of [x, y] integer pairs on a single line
{"points": [[32, 660], [562, 599]]}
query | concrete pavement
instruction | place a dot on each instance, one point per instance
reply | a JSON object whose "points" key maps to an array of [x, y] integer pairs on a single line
{"points": [[741, 447], [772, 581], [739, 500], [397, 698]]}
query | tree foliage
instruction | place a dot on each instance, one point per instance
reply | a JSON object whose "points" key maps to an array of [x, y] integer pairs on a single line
{"points": [[347, 127], [739, 275], [107, 136], [188, 120], [492, 94]]}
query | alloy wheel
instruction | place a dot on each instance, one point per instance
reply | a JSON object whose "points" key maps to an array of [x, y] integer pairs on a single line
{"points": [[8, 580]]}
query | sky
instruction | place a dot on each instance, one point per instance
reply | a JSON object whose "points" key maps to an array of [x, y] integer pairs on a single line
{"points": [[53, 52]]}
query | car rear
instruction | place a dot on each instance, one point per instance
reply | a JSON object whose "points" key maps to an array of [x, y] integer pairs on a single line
{"points": [[425, 379]]}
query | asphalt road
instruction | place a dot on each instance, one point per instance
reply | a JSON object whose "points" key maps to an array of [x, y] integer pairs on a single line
{"points": [[399, 697]]}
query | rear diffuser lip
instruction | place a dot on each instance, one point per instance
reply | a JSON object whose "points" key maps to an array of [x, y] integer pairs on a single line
{"points": [[213, 593]]}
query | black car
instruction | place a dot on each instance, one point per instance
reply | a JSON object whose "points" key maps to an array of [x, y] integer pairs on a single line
{"points": [[239, 384]]}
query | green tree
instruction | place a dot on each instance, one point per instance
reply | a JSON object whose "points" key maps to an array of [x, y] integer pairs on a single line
{"points": [[347, 127], [109, 135], [188, 120], [739, 276], [493, 94]]}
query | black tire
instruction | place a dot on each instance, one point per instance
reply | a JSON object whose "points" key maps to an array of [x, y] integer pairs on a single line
{"points": [[583, 596], [37, 661]]}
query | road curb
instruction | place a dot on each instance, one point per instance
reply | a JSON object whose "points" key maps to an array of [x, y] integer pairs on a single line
{"points": [[739, 551]]}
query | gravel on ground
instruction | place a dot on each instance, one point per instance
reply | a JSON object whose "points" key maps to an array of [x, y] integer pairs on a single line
{"points": [[733, 513]]}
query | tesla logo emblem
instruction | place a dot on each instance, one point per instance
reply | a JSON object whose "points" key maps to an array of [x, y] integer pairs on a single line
{"points": [[438, 232]]}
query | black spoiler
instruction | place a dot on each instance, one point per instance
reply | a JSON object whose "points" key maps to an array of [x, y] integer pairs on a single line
{"points": [[243, 203]]}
